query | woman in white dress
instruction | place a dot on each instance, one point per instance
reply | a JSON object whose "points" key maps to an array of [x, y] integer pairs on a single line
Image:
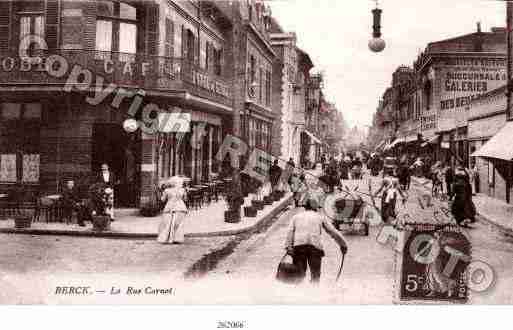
{"points": [[171, 229]]}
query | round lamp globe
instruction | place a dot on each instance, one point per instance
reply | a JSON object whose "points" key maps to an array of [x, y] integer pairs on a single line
{"points": [[377, 45]]}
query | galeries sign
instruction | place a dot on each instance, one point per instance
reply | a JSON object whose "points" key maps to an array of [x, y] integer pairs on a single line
{"points": [[465, 79]]}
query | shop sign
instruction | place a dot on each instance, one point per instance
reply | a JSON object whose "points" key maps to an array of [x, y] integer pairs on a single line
{"points": [[465, 79], [428, 122], [208, 83]]}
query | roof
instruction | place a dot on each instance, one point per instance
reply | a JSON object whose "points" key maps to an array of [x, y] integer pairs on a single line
{"points": [[305, 57]]}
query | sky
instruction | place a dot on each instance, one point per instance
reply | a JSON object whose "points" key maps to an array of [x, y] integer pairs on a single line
{"points": [[335, 33]]}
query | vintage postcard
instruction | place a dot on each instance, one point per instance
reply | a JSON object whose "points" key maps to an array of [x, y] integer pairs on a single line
{"points": [[292, 152]]}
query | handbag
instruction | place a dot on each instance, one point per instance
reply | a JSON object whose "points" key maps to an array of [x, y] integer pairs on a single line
{"points": [[288, 272]]}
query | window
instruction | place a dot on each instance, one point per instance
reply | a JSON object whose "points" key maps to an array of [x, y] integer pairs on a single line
{"points": [[218, 55], [252, 68], [116, 30], [190, 46], [169, 42], [19, 142], [104, 36], [427, 95], [32, 24], [268, 88], [261, 86], [208, 48]]}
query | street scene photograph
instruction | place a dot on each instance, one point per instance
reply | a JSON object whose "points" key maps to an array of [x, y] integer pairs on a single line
{"points": [[250, 152]]}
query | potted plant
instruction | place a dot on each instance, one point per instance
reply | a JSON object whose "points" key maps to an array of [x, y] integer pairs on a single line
{"points": [[155, 206], [251, 211], [257, 202], [22, 216], [101, 199]]}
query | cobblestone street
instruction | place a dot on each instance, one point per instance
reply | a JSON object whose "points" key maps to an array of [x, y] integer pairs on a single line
{"points": [[243, 272]]}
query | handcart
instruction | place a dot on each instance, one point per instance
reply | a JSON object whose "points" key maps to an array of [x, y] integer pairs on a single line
{"points": [[348, 214]]}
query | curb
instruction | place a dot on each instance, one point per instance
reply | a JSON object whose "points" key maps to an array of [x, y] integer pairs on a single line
{"points": [[482, 216], [124, 235]]}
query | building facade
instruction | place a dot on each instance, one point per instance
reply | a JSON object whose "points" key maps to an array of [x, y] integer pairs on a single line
{"points": [[63, 104], [451, 74]]}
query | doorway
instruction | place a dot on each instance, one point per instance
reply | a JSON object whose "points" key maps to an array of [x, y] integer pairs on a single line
{"points": [[121, 151]]}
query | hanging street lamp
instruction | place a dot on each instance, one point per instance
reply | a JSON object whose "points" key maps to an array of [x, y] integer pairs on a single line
{"points": [[376, 44]]}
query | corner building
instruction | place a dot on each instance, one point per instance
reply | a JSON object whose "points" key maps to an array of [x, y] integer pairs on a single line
{"points": [[175, 54]]}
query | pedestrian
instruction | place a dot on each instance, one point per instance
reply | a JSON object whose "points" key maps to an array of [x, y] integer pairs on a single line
{"points": [[474, 179], [391, 192], [107, 178], [291, 163], [463, 208], [449, 179], [344, 168], [404, 176], [298, 188], [304, 239], [356, 169], [71, 203], [171, 229], [274, 175]]}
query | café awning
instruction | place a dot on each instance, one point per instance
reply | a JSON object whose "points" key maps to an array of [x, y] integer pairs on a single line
{"points": [[432, 140], [396, 142], [499, 146], [313, 137]]}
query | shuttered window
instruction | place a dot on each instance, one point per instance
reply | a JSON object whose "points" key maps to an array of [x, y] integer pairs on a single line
{"points": [[170, 37]]}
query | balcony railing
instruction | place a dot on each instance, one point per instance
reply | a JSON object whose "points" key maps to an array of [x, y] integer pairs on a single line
{"points": [[138, 71]]}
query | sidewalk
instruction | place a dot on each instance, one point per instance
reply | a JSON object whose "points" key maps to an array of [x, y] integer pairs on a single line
{"points": [[206, 222], [492, 210]]}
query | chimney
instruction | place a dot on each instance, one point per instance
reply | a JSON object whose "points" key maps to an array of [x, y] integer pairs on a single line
{"points": [[478, 27]]}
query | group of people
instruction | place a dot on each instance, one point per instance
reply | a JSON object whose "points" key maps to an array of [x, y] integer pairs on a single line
{"points": [[457, 185], [72, 202]]}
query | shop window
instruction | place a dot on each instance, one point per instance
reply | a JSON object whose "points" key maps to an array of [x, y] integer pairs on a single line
{"points": [[116, 30], [19, 142]]}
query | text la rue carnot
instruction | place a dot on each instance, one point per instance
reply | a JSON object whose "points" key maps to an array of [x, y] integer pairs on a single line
{"points": [[128, 291]]}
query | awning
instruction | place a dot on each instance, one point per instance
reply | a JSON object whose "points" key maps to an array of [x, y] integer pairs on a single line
{"points": [[432, 140], [396, 142], [316, 140], [380, 146], [499, 146], [410, 138]]}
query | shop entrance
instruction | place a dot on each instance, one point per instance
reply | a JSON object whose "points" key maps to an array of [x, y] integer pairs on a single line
{"points": [[121, 151]]}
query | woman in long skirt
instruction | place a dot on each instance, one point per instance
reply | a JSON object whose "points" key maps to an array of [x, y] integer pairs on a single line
{"points": [[463, 208], [171, 229]]}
